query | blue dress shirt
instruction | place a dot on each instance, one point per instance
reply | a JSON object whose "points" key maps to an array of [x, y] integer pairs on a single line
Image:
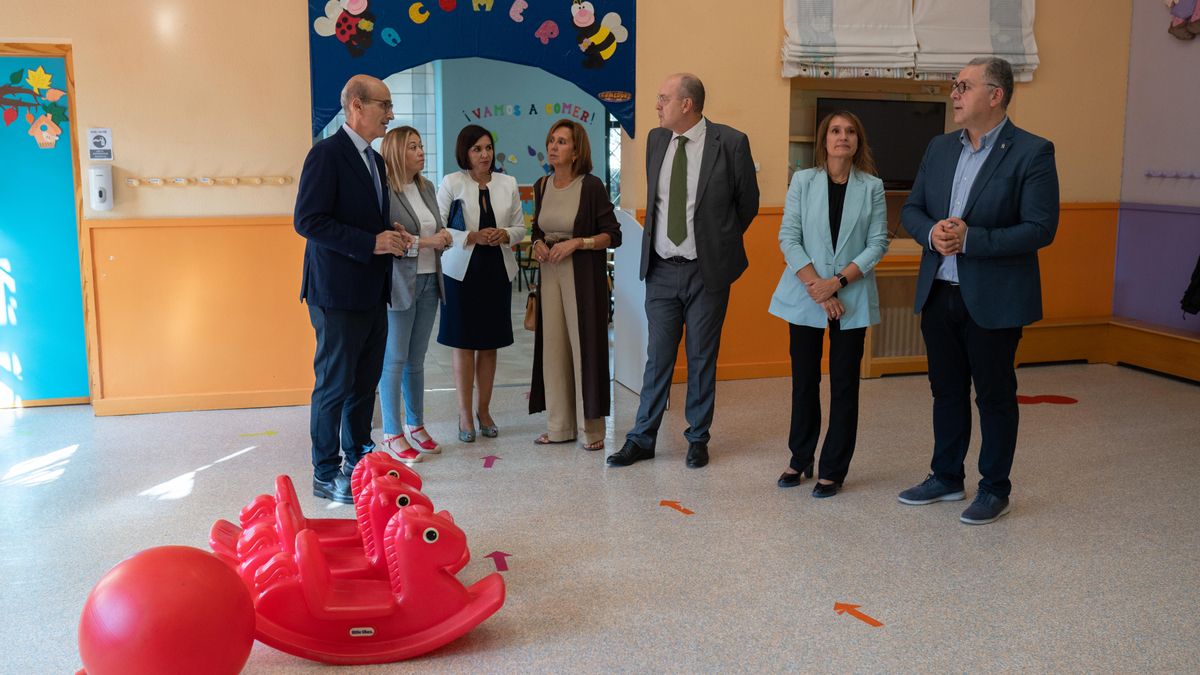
{"points": [[970, 161]]}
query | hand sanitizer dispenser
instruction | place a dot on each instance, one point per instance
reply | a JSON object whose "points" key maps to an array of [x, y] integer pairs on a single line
{"points": [[100, 187]]}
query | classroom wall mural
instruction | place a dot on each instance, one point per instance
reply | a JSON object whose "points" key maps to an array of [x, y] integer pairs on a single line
{"points": [[517, 104], [587, 42]]}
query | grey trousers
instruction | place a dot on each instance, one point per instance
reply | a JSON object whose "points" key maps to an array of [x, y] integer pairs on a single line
{"points": [[676, 297]]}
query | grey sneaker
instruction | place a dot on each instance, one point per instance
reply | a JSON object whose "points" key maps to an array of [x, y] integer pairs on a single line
{"points": [[930, 491], [986, 508]]}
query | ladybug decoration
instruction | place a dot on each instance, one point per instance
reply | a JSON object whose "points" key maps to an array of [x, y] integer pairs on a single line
{"points": [[350, 22]]}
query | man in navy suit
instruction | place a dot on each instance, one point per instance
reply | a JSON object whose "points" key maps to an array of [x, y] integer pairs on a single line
{"points": [[984, 201], [341, 209]]}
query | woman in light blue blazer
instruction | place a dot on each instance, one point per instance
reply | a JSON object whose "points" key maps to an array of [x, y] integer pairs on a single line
{"points": [[416, 292], [833, 234]]}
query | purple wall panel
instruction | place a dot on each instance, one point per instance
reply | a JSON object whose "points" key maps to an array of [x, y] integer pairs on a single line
{"points": [[1158, 231], [1156, 252], [1161, 134]]}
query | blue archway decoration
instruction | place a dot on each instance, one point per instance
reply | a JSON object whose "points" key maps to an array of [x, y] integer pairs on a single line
{"points": [[381, 37]]}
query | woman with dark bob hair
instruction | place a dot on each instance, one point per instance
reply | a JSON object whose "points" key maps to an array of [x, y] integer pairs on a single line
{"points": [[478, 271], [573, 224]]}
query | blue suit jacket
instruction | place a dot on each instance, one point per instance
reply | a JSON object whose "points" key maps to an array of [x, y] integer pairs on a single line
{"points": [[338, 213], [804, 237], [1011, 212]]}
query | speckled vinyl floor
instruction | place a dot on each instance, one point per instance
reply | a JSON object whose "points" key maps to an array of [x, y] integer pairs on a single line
{"points": [[1095, 569]]}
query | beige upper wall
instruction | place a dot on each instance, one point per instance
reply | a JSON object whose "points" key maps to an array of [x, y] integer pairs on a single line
{"points": [[734, 50], [1077, 98], [189, 90]]}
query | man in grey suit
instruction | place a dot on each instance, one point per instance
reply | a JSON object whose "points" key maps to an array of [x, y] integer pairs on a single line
{"points": [[984, 201], [702, 194]]}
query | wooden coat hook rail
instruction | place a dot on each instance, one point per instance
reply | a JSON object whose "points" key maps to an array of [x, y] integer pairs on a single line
{"points": [[205, 181]]}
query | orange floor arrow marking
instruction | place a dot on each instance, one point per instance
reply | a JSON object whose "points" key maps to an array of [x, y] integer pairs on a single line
{"points": [[852, 610], [675, 505]]}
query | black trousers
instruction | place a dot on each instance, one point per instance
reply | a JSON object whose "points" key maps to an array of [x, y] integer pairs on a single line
{"points": [[845, 362], [347, 365], [962, 353]]}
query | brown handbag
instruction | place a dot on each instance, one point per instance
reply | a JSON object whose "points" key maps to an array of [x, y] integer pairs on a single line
{"points": [[531, 309]]}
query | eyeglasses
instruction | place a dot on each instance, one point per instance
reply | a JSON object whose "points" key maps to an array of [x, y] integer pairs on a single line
{"points": [[961, 86], [383, 103]]}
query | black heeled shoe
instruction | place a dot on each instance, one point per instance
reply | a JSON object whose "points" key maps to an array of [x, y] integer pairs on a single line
{"points": [[787, 480], [823, 490]]}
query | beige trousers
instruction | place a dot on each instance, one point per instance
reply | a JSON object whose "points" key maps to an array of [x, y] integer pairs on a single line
{"points": [[560, 356]]}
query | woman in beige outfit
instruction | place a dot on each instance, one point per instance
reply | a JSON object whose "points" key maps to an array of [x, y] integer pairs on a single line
{"points": [[573, 225]]}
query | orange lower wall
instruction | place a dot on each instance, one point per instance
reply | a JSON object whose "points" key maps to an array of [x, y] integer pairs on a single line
{"points": [[1077, 281], [199, 313], [1077, 269], [203, 313]]}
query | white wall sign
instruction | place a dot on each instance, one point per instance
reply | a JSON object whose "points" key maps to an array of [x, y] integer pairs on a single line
{"points": [[99, 144]]}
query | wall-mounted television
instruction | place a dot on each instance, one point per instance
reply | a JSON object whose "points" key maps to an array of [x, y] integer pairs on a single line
{"points": [[898, 132]]}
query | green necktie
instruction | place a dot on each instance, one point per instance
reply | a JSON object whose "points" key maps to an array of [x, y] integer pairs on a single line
{"points": [[677, 201]]}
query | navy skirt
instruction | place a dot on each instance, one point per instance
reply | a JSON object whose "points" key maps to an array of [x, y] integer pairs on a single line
{"points": [[478, 309]]}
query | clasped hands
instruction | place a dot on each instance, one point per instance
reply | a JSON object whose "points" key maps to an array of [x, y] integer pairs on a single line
{"points": [[492, 236], [398, 241], [393, 242], [822, 292], [557, 253], [948, 236]]}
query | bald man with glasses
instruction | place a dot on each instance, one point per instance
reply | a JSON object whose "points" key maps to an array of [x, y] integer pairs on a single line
{"points": [[342, 212]]}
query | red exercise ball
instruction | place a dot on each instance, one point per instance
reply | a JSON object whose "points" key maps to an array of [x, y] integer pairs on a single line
{"points": [[170, 609]]}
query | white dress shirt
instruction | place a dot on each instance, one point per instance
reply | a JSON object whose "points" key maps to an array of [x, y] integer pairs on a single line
{"points": [[694, 150], [360, 144]]}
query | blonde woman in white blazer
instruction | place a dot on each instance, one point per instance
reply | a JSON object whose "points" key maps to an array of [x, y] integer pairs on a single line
{"points": [[834, 232], [478, 271]]}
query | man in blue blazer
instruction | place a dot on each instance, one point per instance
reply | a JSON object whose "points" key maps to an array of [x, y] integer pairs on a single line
{"points": [[702, 194], [983, 203], [341, 209]]}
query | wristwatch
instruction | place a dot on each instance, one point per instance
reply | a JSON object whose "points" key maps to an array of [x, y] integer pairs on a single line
{"points": [[841, 279], [589, 243]]}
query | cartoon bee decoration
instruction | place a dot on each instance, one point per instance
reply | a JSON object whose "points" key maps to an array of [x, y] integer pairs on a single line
{"points": [[597, 41]]}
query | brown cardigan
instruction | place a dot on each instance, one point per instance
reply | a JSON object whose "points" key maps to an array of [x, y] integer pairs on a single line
{"points": [[595, 217]]}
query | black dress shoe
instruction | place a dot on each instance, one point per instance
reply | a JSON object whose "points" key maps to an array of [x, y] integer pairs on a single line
{"points": [[823, 490], [697, 455], [787, 480], [337, 490], [628, 454]]}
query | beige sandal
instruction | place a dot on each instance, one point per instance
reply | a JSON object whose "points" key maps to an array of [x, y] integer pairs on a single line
{"points": [[598, 445], [544, 439]]}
